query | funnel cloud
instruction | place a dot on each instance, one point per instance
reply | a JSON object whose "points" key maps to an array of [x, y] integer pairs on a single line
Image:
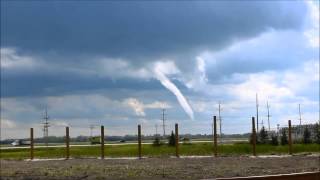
{"points": [[160, 71]]}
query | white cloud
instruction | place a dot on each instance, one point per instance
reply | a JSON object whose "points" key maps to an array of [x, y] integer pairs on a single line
{"points": [[118, 68], [139, 107], [302, 77], [198, 79], [136, 105], [265, 84], [10, 59], [312, 33], [277, 85], [58, 123], [6, 123], [157, 105]]}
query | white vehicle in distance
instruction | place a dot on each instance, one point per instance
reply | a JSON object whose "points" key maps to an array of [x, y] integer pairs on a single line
{"points": [[20, 142]]}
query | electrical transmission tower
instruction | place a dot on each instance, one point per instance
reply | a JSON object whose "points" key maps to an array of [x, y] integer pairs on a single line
{"points": [[268, 107], [163, 122], [46, 126]]}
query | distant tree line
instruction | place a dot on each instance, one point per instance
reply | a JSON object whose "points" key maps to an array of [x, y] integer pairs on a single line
{"points": [[310, 134], [61, 139]]}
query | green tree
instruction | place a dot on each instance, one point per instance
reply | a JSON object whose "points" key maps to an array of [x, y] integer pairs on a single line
{"points": [[157, 142], [274, 140], [284, 138], [263, 135], [306, 136], [186, 141], [172, 139], [317, 133]]}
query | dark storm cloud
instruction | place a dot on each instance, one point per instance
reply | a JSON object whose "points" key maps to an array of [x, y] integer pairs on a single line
{"points": [[69, 34], [61, 84], [136, 30]]}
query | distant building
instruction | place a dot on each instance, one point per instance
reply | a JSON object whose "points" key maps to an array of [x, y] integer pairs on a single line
{"points": [[297, 131]]}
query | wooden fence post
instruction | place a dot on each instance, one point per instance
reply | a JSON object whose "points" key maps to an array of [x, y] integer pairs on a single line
{"points": [[139, 141], [254, 137], [67, 143], [102, 142], [177, 139], [215, 146], [31, 143], [290, 139]]}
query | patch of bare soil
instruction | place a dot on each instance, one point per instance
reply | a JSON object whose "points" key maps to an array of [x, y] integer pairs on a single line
{"points": [[157, 168]]}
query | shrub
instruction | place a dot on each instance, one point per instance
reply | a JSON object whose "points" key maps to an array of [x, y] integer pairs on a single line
{"points": [[186, 141], [306, 136], [317, 133], [157, 142], [263, 135], [172, 139], [274, 140], [284, 138]]}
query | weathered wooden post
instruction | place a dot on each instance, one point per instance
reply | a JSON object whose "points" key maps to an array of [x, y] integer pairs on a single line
{"points": [[139, 141], [102, 142], [215, 146], [254, 137], [177, 139], [67, 143], [31, 143], [290, 139]]}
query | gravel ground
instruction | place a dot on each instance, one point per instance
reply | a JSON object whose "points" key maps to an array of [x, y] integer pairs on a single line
{"points": [[157, 168]]}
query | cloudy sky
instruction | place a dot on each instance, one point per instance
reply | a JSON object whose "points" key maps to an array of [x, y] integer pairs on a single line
{"points": [[119, 63]]}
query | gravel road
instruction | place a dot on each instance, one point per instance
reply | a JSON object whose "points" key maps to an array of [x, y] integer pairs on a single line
{"points": [[158, 168]]}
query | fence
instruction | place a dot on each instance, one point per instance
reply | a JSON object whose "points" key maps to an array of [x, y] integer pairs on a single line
{"points": [[177, 154]]}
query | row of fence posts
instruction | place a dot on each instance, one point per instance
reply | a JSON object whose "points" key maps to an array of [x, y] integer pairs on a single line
{"points": [[215, 144], [254, 137]]}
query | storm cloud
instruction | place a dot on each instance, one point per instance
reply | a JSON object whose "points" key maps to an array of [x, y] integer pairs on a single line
{"points": [[140, 30], [84, 57]]}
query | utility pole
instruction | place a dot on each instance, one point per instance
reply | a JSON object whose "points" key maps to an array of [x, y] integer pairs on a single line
{"points": [[268, 107], [163, 122], [257, 108], [46, 127]]}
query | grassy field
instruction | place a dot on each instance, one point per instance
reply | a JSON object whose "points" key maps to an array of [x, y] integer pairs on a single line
{"points": [[149, 150]]}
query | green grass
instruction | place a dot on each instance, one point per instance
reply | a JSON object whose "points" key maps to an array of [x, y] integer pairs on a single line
{"points": [[149, 150]]}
